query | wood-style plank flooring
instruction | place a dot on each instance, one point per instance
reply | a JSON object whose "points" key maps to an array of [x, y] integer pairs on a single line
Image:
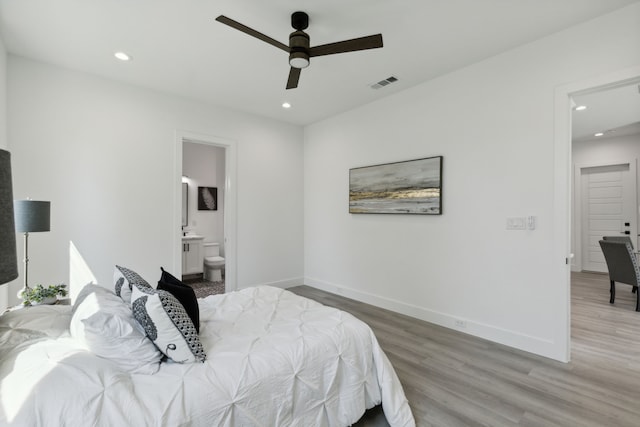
{"points": [[453, 379]]}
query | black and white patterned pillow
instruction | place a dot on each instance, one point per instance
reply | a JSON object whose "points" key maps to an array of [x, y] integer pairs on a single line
{"points": [[183, 293], [167, 324], [124, 279]]}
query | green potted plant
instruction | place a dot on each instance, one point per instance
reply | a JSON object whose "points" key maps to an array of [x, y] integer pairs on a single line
{"points": [[42, 295]]}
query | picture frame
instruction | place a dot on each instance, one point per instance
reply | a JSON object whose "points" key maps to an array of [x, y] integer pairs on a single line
{"points": [[405, 187], [207, 198]]}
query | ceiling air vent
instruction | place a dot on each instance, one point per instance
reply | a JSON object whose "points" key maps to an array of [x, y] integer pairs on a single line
{"points": [[383, 83]]}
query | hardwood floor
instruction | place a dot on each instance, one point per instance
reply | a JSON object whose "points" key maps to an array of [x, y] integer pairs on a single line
{"points": [[453, 379]]}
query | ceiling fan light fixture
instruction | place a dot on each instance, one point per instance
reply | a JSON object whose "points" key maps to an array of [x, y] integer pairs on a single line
{"points": [[299, 59]]}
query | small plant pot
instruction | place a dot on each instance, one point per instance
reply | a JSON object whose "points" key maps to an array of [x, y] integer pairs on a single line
{"points": [[46, 295], [46, 301]]}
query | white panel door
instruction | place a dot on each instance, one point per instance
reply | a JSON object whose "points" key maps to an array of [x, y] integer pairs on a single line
{"points": [[608, 209]]}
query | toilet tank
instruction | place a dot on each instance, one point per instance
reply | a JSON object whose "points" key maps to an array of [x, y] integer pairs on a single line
{"points": [[211, 249]]}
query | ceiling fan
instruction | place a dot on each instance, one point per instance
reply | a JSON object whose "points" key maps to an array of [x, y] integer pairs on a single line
{"points": [[299, 50]]}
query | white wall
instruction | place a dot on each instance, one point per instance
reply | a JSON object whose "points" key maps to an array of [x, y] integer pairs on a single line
{"points": [[3, 139], [494, 124], [104, 154], [204, 166], [3, 95], [599, 152]]}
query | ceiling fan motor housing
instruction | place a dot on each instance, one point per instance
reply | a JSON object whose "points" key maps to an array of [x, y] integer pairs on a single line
{"points": [[299, 49]]}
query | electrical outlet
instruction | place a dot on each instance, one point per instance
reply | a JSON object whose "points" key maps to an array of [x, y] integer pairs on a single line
{"points": [[459, 323]]}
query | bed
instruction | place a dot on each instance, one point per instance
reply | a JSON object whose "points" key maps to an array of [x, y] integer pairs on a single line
{"points": [[272, 359]]}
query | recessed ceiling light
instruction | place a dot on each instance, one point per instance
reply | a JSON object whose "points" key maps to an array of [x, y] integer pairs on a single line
{"points": [[598, 134], [286, 105], [122, 56], [581, 107]]}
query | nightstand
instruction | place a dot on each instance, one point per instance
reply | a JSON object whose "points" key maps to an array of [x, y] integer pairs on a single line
{"points": [[61, 301]]}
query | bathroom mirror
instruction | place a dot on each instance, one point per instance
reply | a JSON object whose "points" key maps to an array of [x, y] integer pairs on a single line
{"points": [[185, 200]]}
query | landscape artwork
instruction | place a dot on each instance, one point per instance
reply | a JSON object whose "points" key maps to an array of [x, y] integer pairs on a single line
{"points": [[409, 187]]}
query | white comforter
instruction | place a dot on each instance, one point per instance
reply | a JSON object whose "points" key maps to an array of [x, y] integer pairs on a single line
{"points": [[273, 359]]}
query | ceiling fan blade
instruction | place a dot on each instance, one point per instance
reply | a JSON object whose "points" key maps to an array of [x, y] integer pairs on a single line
{"points": [[294, 76], [361, 43], [253, 33]]}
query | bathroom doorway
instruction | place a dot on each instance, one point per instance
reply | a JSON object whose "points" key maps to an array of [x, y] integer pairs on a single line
{"points": [[205, 213]]}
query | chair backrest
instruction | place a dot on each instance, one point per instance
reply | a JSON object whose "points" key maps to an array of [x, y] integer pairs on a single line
{"points": [[621, 262], [626, 239]]}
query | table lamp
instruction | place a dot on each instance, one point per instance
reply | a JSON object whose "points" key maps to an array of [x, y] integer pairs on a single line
{"points": [[30, 216], [8, 262]]}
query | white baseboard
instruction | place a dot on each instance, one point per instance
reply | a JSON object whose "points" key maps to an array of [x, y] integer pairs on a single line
{"points": [[536, 345], [284, 284]]}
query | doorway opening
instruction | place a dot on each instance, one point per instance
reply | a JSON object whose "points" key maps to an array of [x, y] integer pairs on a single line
{"points": [[586, 170], [205, 213], [605, 147]]}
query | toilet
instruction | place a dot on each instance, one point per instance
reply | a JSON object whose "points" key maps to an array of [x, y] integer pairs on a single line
{"points": [[213, 262]]}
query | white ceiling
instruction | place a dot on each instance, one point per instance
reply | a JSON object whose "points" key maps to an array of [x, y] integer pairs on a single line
{"points": [[613, 112], [177, 47]]}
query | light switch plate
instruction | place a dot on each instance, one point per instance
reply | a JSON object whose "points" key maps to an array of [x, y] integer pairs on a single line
{"points": [[517, 223], [531, 222]]}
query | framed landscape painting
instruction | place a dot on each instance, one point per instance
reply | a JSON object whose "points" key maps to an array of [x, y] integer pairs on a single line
{"points": [[409, 187]]}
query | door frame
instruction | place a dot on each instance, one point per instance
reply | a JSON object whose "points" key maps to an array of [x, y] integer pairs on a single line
{"points": [[562, 194], [576, 265], [230, 202]]}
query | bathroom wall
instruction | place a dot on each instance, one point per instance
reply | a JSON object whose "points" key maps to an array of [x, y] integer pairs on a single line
{"points": [[204, 166]]}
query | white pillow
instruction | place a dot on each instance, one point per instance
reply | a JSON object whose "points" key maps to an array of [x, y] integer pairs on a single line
{"points": [[167, 324], [123, 281], [106, 326], [87, 290]]}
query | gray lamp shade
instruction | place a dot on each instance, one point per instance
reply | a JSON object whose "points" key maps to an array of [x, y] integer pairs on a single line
{"points": [[31, 215], [8, 261]]}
